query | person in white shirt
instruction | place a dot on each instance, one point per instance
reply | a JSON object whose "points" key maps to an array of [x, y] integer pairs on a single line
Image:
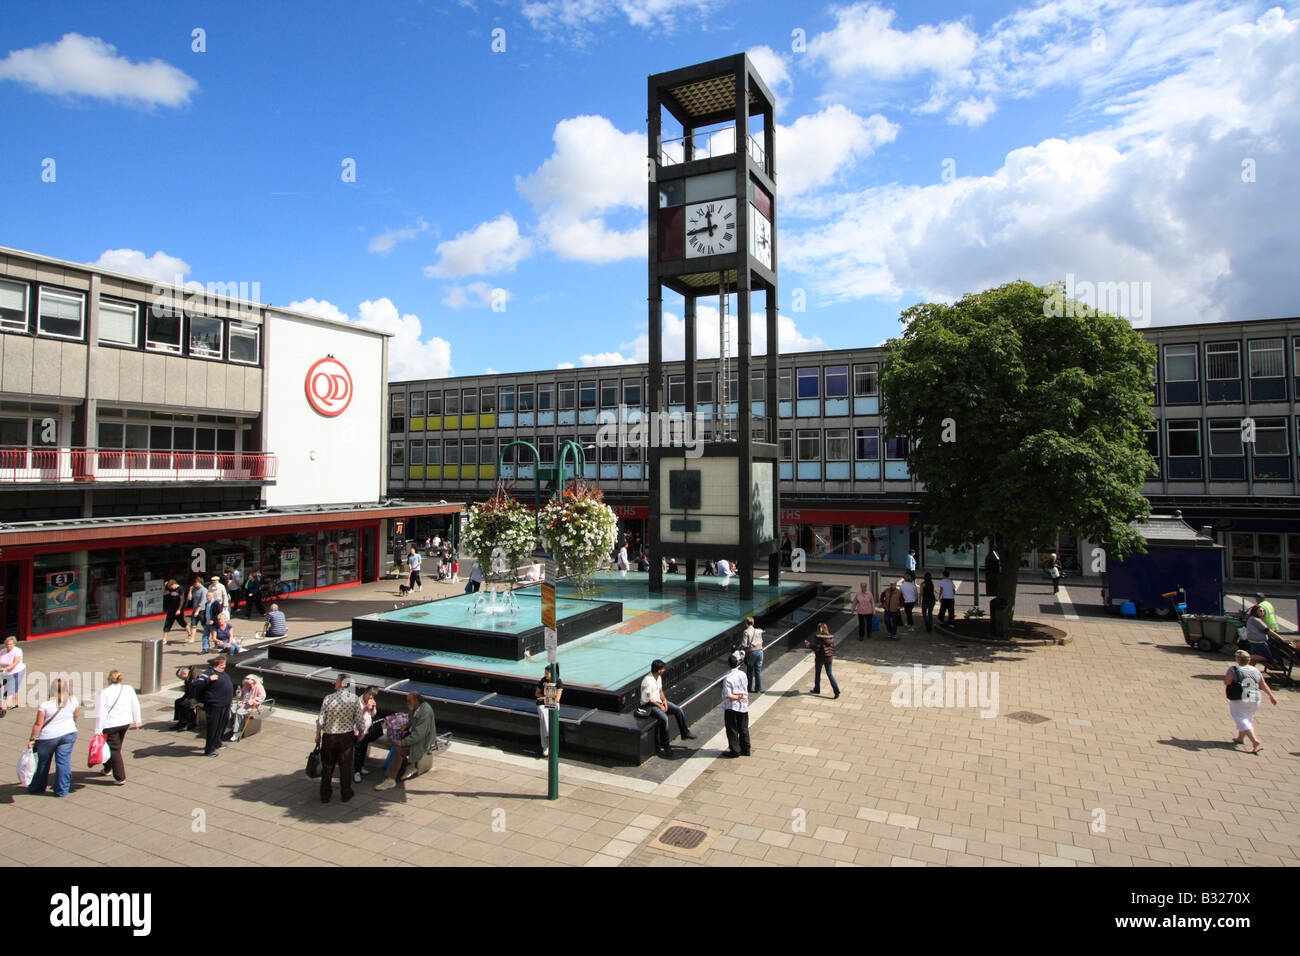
{"points": [[622, 561], [911, 560], [535, 571], [659, 707], [53, 736], [751, 643], [116, 708], [11, 673], [908, 587], [947, 598], [735, 707], [725, 571]]}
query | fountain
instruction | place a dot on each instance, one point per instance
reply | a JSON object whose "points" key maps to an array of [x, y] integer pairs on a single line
{"points": [[492, 601]]}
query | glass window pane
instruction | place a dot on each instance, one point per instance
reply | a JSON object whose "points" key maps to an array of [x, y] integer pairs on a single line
{"points": [[468, 401], [433, 403], [567, 396], [837, 381], [205, 336], [13, 306], [784, 390], [787, 442], [587, 394], [487, 400], [1270, 437], [451, 402], [507, 396], [1180, 363], [163, 330], [1225, 439], [867, 444], [866, 379], [245, 344], [1184, 439], [417, 404], [1223, 361], [837, 443], [810, 446], [1266, 359], [526, 398], [60, 314], [545, 394], [809, 379], [117, 322], [676, 389]]}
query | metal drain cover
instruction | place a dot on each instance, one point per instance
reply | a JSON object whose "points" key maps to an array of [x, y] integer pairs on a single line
{"points": [[682, 838], [686, 839], [418, 614], [1028, 717]]}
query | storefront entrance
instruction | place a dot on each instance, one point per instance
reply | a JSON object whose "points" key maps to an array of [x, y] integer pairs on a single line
{"points": [[13, 575]]}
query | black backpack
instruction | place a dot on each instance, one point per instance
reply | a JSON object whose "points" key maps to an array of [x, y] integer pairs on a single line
{"points": [[1234, 689]]}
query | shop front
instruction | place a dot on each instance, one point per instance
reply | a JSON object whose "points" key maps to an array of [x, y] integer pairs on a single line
{"points": [[878, 537]]}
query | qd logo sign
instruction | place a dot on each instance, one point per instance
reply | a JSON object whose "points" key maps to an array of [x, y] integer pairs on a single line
{"points": [[329, 387]]}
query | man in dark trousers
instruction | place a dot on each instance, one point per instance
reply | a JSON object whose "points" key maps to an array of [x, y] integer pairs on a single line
{"points": [[214, 691], [341, 719]]}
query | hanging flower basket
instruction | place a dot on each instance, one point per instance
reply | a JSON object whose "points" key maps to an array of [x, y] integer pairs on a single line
{"points": [[580, 531], [499, 534]]}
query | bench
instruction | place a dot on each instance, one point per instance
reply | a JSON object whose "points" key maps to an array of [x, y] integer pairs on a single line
{"points": [[252, 726]]}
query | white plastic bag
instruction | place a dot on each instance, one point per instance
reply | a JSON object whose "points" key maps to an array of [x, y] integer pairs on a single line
{"points": [[26, 767]]}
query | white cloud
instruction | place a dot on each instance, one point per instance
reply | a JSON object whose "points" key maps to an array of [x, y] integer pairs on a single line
{"points": [[159, 267], [595, 171], [864, 42], [384, 243], [607, 358], [816, 147], [565, 365], [773, 68], [410, 355], [476, 295], [488, 248], [87, 66], [972, 112], [1156, 197], [490, 371], [551, 15]]}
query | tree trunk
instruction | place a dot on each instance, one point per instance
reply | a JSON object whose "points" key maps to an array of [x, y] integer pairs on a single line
{"points": [[1009, 581]]}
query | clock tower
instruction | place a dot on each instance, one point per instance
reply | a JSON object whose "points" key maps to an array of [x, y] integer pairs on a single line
{"points": [[712, 212]]}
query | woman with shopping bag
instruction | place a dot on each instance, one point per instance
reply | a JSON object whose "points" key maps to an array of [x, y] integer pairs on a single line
{"points": [[53, 736], [116, 709]]}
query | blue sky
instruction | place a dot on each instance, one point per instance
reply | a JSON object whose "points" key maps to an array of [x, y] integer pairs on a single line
{"points": [[924, 151]]}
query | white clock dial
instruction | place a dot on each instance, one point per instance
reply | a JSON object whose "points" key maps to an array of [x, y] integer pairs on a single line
{"points": [[762, 232], [711, 228]]}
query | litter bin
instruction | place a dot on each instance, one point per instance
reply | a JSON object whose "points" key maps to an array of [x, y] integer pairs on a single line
{"points": [[151, 665], [999, 618]]}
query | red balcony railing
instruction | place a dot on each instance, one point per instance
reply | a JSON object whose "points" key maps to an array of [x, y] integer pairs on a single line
{"points": [[43, 464]]}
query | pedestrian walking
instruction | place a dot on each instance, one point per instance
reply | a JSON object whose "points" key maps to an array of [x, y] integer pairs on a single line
{"points": [[172, 601], [214, 691], [1242, 684], [198, 602], [1054, 572], [341, 718], [735, 707], [891, 602], [751, 646], [947, 598], [907, 588], [236, 589], [475, 578], [253, 595], [116, 708], [544, 712], [218, 601], [413, 564], [12, 669], [927, 602], [53, 736], [911, 561], [864, 606], [823, 648]]}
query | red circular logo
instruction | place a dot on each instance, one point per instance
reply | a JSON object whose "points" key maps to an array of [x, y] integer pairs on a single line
{"points": [[329, 387]]}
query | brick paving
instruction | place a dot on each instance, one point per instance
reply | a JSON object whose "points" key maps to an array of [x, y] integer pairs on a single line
{"points": [[1131, 767]]}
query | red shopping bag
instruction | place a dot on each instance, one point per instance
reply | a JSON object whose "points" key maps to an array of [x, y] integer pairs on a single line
{"points": [[99, 750]]}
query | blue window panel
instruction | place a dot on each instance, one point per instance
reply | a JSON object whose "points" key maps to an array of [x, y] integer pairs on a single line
{"points": [[808, 408], [866, 406], [607, 417], [506, 420], [608, 470], [784, 409], [1227, 391], [1273, 469], [633, 415], [837, 471], [527, 471], [527, 419], [587, 416], [896, 471], [589, 471], [507, 471], [866, 470], [632, 471], [1184, 469], [837, 406], [1268, 390], [731, 409], [810, 470], [676, 409], [568, 418], [787, 471], [1227, 469], [545, 418], [705, 412], [1182, 393], [756, 409]]}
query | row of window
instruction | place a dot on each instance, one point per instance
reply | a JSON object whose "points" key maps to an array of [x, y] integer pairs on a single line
{"points": [[1226, 377], [836, 384], [61, 314], [1226, 443]]}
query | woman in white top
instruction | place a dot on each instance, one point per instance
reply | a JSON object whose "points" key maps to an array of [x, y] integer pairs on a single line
{"points": [[751, 642], [1242, 684], [12, 669], [116, 709], [622, 561], [53, 736]]}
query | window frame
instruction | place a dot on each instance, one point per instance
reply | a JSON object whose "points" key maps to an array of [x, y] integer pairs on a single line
{"points": [[808, 434], [154, 345], [1210, 376], [1281, 354], [189, 337], [865, 370], [26, 309], [242, 329], [815, 377], [54, 293], [107, 303], [1195, 357]]}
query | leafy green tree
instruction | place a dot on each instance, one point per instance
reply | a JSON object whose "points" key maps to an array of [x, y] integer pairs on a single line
{"points": [[1026, 413]]}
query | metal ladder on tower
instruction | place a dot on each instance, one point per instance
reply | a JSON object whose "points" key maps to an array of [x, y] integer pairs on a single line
{"points": [[724, 364]]}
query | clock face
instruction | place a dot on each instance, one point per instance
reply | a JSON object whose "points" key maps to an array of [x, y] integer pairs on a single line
{"points": [[762, 233], [711, 228]]}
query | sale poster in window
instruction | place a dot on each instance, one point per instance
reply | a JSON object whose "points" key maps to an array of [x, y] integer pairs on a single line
{"points": [[61, 592], [289, 562]]}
